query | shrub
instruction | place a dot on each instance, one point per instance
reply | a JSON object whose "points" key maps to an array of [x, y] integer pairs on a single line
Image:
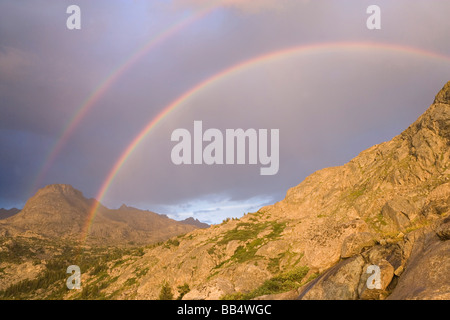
{"points": [[281, 283], [166, 292], [182, 290]]}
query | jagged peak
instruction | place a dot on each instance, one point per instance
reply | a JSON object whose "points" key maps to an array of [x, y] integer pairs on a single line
{"points": [[444, 95], [195, 222], [65, 189], [436, 118]]}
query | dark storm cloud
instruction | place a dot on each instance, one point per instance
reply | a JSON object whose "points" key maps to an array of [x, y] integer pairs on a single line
{"points": [[328, 106]]}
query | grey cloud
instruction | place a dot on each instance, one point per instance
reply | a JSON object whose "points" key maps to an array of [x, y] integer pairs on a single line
{"points": [[329, 105]]}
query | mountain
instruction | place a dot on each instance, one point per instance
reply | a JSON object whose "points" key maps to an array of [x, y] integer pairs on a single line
{"points": [[387, 208], [6, 213], [195, 222], [384, 216], [61, 212]]}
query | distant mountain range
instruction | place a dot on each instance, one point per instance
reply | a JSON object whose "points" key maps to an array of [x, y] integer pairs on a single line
{"points": [[60, 211], [6, 213], [195, 222]]}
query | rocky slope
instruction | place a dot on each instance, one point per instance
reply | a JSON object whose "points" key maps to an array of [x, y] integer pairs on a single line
{"points": [[387, 207], [61, 212]]}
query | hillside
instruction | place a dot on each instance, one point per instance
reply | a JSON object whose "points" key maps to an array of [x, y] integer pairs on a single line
{"points": [[387, 206]]}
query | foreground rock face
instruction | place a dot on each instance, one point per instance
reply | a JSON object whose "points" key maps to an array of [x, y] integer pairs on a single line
{"points": [[338, 283], [414, 268], [427, 272]]}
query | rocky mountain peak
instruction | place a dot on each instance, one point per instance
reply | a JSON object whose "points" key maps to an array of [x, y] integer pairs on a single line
{"points": [[195, 222], [61, 189], [444, 95]]}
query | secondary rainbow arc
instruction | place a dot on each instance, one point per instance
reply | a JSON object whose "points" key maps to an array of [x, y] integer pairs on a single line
{"points": [[106, 84]]}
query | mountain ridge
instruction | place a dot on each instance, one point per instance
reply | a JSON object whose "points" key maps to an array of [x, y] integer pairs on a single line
{"points": [[61, 211], [6, 213]]}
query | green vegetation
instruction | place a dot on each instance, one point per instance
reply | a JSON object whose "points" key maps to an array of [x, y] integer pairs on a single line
{"points": [[245, 231], [225, 221], [130, 281], [100, 268], [140, 273], [377, 222], [166, 292], [171, 242], [93, 292], [242, 254], [287, 256], [16, 251], [284, 282], [51, 275], [274, 265], [51, 282], [182, 290], [312, 277], [139, 252], [356, 193]]}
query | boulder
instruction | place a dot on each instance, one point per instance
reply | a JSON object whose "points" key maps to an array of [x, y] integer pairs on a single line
{"points": [[399, 211], [338, 283], [443, 231], [356, 242], [386, 276], [426, 274], [213, 290]]}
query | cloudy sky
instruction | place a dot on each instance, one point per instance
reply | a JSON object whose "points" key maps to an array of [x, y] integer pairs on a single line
{"points": [[341, 90]]}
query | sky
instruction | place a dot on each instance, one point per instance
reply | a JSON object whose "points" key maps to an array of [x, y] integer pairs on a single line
{"points": [[73, 101]]}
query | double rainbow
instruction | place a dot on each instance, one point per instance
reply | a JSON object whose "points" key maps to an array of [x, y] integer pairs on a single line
{"points": [[254, 62]]}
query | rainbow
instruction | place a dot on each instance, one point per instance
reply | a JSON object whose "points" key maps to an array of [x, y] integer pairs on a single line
{"points": [[104, 86], [253, 62]]}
